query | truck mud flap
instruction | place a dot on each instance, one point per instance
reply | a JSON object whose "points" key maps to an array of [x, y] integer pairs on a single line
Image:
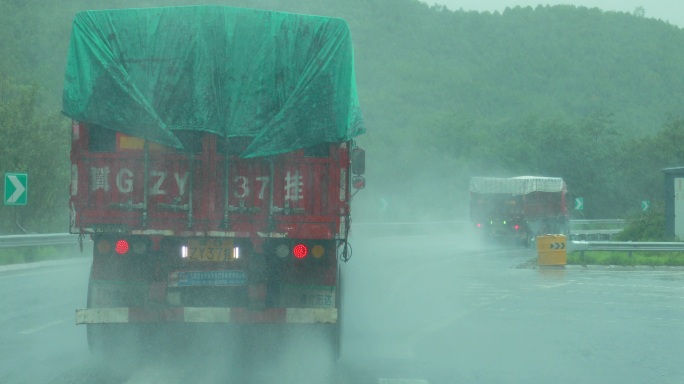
{"points": [[206, 315]]}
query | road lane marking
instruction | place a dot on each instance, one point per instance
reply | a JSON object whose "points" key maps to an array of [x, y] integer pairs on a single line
{"points": [[549, 286], [42, 327], [31, 274]]}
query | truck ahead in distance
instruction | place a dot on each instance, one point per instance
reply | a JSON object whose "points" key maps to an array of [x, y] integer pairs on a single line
{"points": [[213, 166], [516, 210]]}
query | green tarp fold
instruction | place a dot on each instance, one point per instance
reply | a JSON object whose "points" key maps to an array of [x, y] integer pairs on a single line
{"points": [[286, 80]]}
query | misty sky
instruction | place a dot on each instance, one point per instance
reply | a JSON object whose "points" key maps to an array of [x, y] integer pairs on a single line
{"points": [[667, 10]]}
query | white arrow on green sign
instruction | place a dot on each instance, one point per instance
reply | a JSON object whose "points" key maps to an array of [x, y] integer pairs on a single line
{"points": [[16, 188], [579, 204]]}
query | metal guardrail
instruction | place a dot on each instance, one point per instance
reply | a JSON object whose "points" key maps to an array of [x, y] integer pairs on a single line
{"points": [[573, 245], [418, 227], [593, 234], [625, 246], [38, 240], [578, 233], [619, 222]]}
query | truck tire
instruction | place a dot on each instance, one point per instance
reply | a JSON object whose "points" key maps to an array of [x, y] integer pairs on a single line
{"points": [[529, 239], [118, 344], [95, 339]]}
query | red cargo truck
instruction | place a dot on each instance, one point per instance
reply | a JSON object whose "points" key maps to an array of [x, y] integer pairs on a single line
{"points": [[213, 163], [516, 210]]}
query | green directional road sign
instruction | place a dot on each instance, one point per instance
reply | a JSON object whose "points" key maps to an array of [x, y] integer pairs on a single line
{"points": [[16, 188], [579, 204], [645, 205]]}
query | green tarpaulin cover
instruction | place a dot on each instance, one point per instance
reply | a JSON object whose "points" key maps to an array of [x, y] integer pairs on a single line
{"points": [[286, 80]]}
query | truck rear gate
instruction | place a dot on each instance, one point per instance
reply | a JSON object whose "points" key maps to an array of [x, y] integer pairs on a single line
{"points": [[228, 236], [163, 191]]}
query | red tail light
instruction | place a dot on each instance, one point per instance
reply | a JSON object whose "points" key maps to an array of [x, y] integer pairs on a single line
{"points": [[300, 251], [121, 247], [516, 227]]}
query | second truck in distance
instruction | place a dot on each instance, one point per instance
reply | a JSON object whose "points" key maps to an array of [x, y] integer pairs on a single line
{"points": [[518, 209]]}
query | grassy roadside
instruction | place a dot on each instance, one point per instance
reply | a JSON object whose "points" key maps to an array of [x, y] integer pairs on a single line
{"points": [[623, 258]]}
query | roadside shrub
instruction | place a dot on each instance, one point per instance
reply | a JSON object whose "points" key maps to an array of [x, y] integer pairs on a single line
{"points": [[645, 226]]}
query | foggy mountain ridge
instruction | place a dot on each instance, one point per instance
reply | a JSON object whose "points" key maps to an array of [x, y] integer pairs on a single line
{"points": [[591, 96]]}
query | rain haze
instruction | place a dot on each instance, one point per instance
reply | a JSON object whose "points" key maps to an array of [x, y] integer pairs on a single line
{"points": [[385, 193]]}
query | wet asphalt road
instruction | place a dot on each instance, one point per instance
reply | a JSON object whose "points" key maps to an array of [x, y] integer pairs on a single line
{"points": [[417, 309]]}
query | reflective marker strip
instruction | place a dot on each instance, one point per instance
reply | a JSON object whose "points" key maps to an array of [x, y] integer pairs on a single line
{"points": [[74, 179], [206, 315], [343, 184], [101, 315], [311, 315]]}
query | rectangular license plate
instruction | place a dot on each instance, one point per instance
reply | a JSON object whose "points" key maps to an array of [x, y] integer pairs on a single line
{"points": [[207, 278], [210, 250]]}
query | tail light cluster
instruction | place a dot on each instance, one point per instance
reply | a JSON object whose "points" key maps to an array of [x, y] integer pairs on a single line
{"points": [[140, 245], [122, 245], [304, 250]]}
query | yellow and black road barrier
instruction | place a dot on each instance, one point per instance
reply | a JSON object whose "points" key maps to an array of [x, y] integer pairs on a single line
{"points": [[551, 250]]}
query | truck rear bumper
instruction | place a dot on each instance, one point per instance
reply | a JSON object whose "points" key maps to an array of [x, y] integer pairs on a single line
{"points": [[206, 315]]}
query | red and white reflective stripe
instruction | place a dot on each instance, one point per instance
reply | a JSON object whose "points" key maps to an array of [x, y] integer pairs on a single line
{"points": [[343, 184], [205, 315], [74, 179]]}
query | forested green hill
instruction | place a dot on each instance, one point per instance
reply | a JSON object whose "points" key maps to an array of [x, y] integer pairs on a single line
{"points": [[591, 96]]}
